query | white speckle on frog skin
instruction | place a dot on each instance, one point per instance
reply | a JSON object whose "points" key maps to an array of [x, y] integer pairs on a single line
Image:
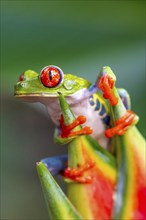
{"points": [[68, 84]]}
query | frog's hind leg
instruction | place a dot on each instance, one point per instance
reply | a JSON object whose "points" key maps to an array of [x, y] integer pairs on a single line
{"points": [[76, 174], [59, 206], [56, 164]]}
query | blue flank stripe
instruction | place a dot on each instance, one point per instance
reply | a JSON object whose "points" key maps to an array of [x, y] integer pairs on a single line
{"points": [[106, 117], [91, 101], [100, 108], [106, 120], [103, 111], [97, 105]]}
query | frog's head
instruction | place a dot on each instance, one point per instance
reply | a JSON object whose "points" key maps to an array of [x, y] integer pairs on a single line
{"points": [[48, 83]]}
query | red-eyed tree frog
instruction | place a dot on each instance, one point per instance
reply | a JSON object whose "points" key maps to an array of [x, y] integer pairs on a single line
{"points": [[83, 97], [97, 187]]}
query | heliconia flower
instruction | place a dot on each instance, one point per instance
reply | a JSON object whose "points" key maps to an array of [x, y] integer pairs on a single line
{"points": [[98, 182], [129, 144], [100, 185]]}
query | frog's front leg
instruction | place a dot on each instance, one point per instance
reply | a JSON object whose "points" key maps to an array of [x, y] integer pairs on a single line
{"points": [[70, 127], [66, 133], [67, 130], [106, 83]]}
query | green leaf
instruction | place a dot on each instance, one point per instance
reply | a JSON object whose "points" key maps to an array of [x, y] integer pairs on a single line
{"points": [[58, 205]]}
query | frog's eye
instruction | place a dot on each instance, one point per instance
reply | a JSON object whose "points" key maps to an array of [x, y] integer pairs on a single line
{"points": [[21, 77], [51, 76]]}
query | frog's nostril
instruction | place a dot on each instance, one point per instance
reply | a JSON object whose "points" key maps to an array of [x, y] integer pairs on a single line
{"points": [[21, 77]]}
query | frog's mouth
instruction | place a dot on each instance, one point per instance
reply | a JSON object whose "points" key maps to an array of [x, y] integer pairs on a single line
{"points": [[47, 97], [29, 95], [35, 97]]}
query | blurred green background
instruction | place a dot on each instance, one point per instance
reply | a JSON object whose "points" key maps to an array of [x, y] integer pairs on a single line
{"points": [[80, 37]]}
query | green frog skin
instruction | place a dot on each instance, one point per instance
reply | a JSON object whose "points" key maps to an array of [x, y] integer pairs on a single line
{"points": [[83, 97]]}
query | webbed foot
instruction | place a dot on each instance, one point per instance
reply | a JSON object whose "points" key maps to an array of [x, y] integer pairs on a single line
{"points": [[66, 130], [106, 84], [76, 174], [122, 124]]}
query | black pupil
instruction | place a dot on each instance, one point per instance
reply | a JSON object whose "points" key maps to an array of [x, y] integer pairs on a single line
{"points": [[50, 75]]}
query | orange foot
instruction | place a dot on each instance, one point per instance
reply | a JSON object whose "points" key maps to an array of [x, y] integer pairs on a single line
{"points": [[66, 129], [76, 174], [122, 124], [106, 84]]}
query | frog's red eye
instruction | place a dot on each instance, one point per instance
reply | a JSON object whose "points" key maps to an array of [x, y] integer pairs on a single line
{"points": [[21, 77], [51, 76]]}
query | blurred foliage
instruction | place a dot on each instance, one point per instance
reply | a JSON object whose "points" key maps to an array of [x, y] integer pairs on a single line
{"points": [[80, 37]]}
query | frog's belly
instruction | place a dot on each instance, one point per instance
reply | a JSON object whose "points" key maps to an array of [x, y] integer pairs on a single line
{"points": [[93, 120]]}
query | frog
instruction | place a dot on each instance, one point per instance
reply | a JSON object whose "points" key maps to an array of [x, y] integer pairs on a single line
{"points": [[82, 96], [82, 118]]}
